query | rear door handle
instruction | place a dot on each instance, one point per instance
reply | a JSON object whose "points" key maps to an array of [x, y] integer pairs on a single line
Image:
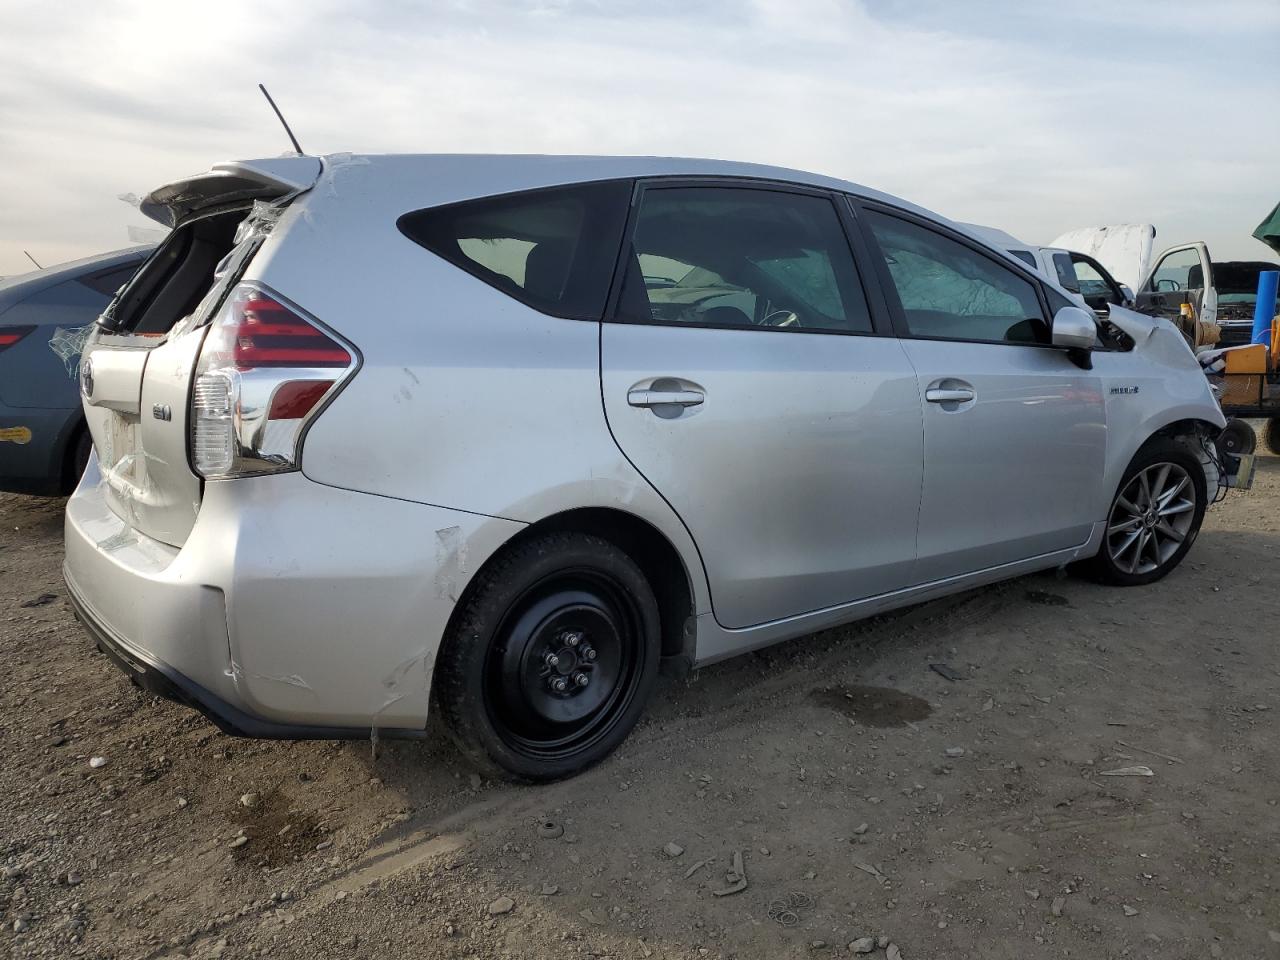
{"points": [[949, 394], [653, 398]]}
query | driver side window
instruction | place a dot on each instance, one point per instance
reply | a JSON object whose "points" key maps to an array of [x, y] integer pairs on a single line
{"points": [[948, 291], [1179, 270], [732, 257]]}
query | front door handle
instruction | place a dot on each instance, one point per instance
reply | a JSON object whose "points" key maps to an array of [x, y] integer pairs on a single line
{"points": [[666, 392], [653, 398], [949, 394]]}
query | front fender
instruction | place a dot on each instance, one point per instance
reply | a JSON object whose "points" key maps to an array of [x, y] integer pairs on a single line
{"points": [[1156, 384]]}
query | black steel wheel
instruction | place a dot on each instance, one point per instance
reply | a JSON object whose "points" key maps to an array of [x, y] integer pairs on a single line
{"points": [[551, 657], [1155, 515]]}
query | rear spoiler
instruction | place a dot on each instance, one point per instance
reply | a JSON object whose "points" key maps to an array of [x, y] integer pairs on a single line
{"points": [[229, 182]]}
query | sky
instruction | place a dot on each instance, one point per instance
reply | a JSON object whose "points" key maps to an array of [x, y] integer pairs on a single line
{"points": [[1030, 116]]}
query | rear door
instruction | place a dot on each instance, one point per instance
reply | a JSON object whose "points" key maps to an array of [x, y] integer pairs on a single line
{"points": [[1014, 432], [744, 377], [1181, 275], [136, 368]]}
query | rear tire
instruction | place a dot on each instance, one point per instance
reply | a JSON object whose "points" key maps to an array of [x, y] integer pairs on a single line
{"points": [[550, 659], [1154, 516]]}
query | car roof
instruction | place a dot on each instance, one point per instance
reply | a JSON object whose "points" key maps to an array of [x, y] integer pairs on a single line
{"points": [[483, 174], [416, 181]]}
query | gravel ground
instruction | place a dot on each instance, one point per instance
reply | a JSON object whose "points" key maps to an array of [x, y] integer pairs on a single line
{"points": [[865, 795]]}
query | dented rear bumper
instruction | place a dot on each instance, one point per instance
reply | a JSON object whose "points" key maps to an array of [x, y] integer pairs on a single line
{"points": [[163, 680], [293, 609]]}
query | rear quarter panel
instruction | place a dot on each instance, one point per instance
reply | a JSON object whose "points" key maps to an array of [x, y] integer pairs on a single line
{"points": [[465, 398]]}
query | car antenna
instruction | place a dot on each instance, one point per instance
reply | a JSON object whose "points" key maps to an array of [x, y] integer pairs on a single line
{"points": [[33, 260], [283, 122]]}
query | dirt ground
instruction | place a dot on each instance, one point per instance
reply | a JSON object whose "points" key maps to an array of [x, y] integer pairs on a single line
{"points": [[867, 795]]}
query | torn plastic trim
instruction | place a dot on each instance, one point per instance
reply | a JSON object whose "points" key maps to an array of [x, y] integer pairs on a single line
{"points": [[250, 234], [68, 343], [336, 164]]}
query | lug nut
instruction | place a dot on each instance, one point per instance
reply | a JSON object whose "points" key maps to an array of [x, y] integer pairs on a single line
{"points": [[573, 639], [551, 660], [559, 685], [588, 653], [581, 679]]}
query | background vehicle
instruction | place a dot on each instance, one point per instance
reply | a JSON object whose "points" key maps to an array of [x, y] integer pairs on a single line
{"points": [[1077, 273], [492, 435], [44, 316], [1223, 293]]}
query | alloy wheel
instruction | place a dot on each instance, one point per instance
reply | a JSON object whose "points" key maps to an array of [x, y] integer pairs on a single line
{"points": [[1151, 518]]}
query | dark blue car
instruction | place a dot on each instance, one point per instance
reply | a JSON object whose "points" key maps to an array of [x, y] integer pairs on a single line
{"points": [[44, 318]]}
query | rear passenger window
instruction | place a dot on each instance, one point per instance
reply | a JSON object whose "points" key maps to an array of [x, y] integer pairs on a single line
{"points": [[553, 249], [949, 291], [732, 257]]}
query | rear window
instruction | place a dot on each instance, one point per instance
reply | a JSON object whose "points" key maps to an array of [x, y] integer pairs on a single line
{"points": [[552, 249], [108, 282], [1066, 271]]}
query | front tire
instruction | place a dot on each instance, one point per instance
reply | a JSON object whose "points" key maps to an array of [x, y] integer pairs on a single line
{"points": [[1154, 516], [550, 658]]}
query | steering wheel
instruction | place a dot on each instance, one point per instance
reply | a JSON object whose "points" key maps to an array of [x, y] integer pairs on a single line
{"points": [[784, 318]]}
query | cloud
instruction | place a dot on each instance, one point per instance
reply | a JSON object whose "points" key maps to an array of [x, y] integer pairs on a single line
{"points": [[1032, 118]]}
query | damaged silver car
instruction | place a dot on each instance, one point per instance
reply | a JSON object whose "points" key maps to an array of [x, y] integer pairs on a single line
{"points": [[492, 436]]}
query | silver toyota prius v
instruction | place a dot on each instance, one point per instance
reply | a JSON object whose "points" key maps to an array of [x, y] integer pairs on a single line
{"points": [[493, 436]]}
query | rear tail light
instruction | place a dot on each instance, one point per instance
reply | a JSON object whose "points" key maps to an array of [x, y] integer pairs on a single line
{"points": [[11, 335], [264, 371]]}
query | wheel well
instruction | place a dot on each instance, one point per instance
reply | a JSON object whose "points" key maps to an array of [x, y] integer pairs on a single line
{"points": [[652, 552], [1186, 428], [1200, 435]]}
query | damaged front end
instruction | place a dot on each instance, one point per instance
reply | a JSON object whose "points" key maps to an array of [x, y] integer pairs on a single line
{"points": [[1175, 389]]}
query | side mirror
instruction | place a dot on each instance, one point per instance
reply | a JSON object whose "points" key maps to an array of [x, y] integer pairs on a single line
{"points": [[1128, 294], [1074, 328]]}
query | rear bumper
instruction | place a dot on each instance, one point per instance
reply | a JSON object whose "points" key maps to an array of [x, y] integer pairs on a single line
{"points": [[164, 681], [292, 610]]}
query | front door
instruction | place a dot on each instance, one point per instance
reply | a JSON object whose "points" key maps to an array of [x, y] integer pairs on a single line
{"points": [[1182, 275], [743, 377], [1015, 432]]}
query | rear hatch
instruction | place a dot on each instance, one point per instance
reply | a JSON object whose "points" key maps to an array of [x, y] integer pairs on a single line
{"points": [[136, 369]]}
